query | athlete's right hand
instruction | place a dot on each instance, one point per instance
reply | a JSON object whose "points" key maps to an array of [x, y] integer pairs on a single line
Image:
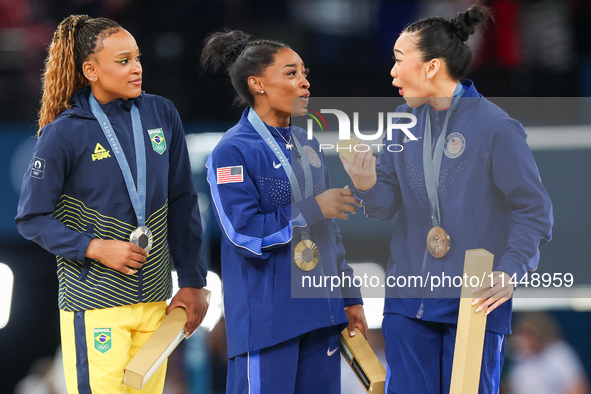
{"points": [[122, 256], [361, 169], [335, 202]]}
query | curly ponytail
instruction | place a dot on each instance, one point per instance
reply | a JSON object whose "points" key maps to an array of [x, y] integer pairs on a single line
{"points": [[76, 38]]}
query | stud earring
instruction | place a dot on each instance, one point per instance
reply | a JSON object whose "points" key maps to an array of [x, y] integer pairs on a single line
{"points": [[261, 91], [428, 76]]}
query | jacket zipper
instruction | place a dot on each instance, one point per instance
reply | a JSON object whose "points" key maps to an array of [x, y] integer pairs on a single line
{"points": [[421, 310], [332, 318]]}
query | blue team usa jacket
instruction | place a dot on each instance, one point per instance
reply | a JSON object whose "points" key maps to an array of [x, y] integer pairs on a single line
{"points": [[74, 191], [490, 194], [253, 204]]}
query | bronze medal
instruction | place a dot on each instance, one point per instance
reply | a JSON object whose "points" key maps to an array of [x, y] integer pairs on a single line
{"points": [[306, 255], [438, 242]]}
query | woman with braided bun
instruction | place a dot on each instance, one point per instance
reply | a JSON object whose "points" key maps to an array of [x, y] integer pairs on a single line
{"points": [[109, 191], [273, 201], [467, 180]]}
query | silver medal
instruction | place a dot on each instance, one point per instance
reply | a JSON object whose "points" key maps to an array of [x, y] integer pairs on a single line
{"points": [[142, 237]]}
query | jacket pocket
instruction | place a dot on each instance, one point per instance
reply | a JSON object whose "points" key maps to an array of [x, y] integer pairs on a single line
{"points": [[85, 269], [260, 278]]}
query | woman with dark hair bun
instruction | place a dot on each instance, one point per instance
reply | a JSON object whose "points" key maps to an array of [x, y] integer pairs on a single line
{"points": [[467, 181], [273, 201]]}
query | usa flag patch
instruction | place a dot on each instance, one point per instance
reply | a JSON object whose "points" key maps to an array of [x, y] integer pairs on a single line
{"points": [[232, 174]]}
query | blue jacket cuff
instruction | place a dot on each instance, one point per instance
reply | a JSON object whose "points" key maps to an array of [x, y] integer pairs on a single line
{"points": [[81, 253], [513, 268], [368, 196], [353, 301], [192, 281], [352, 295], [311, 210]]}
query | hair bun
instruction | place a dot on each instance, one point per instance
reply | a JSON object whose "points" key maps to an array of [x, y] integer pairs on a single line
{"points": [[464, 23], [223, 48], [234, 51]]}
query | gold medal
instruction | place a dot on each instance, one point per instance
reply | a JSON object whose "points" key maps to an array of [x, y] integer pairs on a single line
{"points": [[305, 255], [438, 242]]}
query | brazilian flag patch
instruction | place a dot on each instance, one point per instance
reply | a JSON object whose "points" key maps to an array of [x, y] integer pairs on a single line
{"points": [[158, 141], [102, 339]]}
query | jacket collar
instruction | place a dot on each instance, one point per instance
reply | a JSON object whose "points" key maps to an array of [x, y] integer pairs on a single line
{"points": [[81, 106], [244, 120], [273, 130], [470, 89]]}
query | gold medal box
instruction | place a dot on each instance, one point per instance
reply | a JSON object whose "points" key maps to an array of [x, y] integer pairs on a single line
{"points": [[157, 349], [363, 361]]}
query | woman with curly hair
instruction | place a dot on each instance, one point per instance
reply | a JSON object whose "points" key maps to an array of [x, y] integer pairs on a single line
{"points": [[109, 191]]}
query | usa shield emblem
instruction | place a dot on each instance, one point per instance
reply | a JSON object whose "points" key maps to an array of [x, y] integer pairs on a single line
{"points": [[455, 144]]}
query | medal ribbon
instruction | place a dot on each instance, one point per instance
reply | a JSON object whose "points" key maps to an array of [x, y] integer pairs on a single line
{"points": [[266, 135], [137, 196], [432, 165]]}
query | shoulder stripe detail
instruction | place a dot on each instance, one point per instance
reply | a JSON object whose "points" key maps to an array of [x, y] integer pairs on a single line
{"points": [[252, 244], [299, 221]]}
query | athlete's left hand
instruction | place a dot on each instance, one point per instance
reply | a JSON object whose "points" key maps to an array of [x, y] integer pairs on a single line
{"points": [[356, 316], [495, 293], [194, 302]]}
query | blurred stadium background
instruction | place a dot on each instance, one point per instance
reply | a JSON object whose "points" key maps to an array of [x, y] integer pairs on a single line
{"points": [[537, 52]]}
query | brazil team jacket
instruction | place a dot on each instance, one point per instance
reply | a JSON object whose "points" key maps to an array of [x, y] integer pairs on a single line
{"points": [[490, 195], [265, 303], [74, 191]]}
